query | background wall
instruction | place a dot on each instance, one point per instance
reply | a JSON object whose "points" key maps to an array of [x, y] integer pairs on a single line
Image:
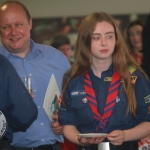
{"points": [[51, 17], [58, 8]]}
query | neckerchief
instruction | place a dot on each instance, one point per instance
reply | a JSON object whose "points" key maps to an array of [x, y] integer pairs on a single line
{"points": [[110, 102]]}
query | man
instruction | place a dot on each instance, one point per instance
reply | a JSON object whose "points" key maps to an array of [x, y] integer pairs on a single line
{"points": [[36, 61], [17, 109]]}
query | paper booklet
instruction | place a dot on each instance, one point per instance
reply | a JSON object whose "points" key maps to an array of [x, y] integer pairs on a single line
{"points": [[52, 98]]}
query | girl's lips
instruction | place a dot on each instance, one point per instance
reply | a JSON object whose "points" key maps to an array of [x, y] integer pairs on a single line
{"points": [[104, 50]]}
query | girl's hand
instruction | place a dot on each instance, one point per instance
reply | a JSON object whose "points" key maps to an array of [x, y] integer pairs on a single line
{"points": [[116, 137]]}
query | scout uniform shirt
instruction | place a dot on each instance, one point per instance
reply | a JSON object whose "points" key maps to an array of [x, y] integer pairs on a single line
{"points": [[78, 112]]}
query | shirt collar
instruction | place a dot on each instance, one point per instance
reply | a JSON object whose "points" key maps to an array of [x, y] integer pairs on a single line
{"points": [[33, 46], [110, 69]]}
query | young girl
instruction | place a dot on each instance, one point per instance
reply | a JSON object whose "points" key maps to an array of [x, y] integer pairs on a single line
{"points": [[105, 91], [134, 39]]}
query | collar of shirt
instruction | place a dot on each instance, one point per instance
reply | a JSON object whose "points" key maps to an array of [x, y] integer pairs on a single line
{"points": [[34, 47]]}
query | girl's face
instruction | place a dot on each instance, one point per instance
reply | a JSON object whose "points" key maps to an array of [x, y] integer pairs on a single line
{"points": [[135, 37], [103, 41]]}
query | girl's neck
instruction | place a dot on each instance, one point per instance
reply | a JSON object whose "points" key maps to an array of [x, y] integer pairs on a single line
{"points": [[98, 66]]}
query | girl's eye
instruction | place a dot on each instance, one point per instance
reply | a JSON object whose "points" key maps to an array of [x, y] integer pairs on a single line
{"points": [[96, 38], [109, 37]]}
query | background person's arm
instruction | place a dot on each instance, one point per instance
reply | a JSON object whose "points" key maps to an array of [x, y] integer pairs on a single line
{"points": [[21, 109]]}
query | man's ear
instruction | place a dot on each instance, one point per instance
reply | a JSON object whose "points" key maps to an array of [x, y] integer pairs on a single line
{"points": [[30, 23]]}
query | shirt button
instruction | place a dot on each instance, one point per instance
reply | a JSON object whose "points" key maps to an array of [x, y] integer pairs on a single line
{"points": [[30, 74], [34, 90], [38, 106], [41, 124], [43, 140]]}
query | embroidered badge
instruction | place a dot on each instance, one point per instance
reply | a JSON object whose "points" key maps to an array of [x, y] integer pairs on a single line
{"points": [[63, 109], [84, 100], [133, 79], [107, 78], [117, 99], [147, 99], [131, 69], [77, 93]]}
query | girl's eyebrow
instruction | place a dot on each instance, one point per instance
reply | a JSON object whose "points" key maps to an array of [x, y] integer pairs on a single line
{"points": [[105, 33]]}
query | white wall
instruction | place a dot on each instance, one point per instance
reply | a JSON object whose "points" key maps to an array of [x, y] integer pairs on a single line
{"points": [[58, 8]]}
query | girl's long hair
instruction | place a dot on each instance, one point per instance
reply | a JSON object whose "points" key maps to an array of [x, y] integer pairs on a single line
{"points": [[121, 56]]}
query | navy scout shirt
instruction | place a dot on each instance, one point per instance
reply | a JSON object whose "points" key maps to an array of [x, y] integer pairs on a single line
{"points": [[78, 112]]}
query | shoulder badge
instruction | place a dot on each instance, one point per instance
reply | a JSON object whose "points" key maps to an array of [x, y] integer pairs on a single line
{"points": [[133, 78], [131, 69]]}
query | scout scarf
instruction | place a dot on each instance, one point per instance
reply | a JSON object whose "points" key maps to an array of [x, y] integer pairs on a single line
{"points": [[110, 102]]}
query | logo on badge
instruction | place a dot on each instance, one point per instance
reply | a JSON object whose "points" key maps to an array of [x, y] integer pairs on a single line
{"points": [[77, 93], [3, 125], [133, 79], [117, 99], [84, 100], [147, 99]]}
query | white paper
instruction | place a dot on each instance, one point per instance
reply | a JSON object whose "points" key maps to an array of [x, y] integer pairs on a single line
{"points": [[52, 98]]}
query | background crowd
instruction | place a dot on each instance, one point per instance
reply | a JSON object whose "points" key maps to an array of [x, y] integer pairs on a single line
{"points": [[31, 129]]}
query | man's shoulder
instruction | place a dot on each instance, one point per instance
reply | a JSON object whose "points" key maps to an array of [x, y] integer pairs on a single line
{"points": [[48, 50]]}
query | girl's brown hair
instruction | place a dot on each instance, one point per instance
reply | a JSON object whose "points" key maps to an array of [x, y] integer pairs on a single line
{"points": [[121, 56]]}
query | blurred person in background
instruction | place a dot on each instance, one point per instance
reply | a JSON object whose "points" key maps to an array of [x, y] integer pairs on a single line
{"points": [[32, 60], [146, 67], [134, 39], [146, 47], [62, 43], [16, 104]]}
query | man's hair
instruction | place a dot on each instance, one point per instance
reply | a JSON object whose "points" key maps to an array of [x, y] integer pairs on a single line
{"points": [[60, 40], [17, 3]]}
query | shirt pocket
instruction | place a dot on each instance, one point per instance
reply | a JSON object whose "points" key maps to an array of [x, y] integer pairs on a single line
{"points": [[83, 110], [120, 111]]}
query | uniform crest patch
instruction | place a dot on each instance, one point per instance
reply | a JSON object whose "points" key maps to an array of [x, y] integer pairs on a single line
{"points": [[107, 78], [133, 79], [77, 93], [84, 100], [117, 99], [147, 99]]}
